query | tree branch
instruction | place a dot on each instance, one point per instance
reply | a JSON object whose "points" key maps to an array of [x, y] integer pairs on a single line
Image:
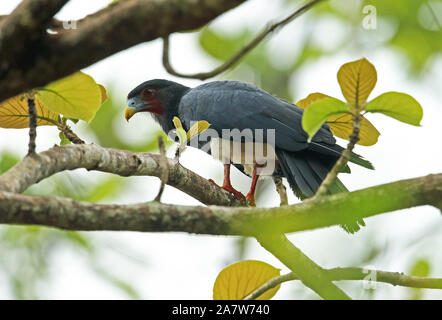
{"points": [[282, 191], [339, 274], [124, 163], [310, 214], [25, 25], [113, 29], [32, 125], [240, 54], [311, 274], [164, 171], [68, 133]]}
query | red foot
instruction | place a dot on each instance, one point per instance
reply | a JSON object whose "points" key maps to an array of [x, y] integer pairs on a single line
{"points": [[251, 199], [238, 195]]}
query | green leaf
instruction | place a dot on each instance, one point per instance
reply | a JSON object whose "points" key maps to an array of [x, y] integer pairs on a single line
{"points": [[319, 111], [420, 268], [342, 124], [357, 79], [242, 278], [399, 106], [63, 139], [77, 96]]}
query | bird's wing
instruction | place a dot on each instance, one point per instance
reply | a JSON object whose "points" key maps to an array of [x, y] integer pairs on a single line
{"points": [[236, 105]]}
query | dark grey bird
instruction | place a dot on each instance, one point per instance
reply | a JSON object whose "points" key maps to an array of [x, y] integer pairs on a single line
{"points": [[229, 105]]}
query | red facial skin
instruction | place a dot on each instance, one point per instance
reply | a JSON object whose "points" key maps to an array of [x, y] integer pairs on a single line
{"points": [[148, 95]]}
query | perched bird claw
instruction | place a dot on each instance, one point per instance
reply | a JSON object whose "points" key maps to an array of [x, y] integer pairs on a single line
{"points": [[238, 195], [251, 200]]}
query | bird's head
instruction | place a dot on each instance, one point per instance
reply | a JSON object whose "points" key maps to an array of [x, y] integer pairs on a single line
{"points": [[155, 96]]}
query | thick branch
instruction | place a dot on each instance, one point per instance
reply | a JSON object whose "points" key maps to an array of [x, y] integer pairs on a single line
{"points": [[124, 163], [113, 29], [25, 25], [393, 278], [153, 217], [310, 214]]}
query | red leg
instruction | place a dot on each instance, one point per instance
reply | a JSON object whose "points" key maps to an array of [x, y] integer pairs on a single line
{"points": [[251, 195], [227, 185]]}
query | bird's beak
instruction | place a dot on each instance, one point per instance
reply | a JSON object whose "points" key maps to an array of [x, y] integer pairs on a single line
{"points": [[134, 105], [129, 113]]}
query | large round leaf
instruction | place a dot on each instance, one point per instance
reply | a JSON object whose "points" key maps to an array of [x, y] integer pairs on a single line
{"points": [[77, 96], [342, 125], [397, 105], [242, 278], [14, 113], [319, 111], [357, 79]]}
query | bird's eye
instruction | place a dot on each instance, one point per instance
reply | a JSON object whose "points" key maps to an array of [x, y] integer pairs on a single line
{"points": [[147, 92]]}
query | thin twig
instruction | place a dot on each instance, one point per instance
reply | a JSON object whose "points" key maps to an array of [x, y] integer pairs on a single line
{"points": [[68, 133], [282, 191], [345, 156], [338, 274], [32, 125], [241, 53], [164, 168]]}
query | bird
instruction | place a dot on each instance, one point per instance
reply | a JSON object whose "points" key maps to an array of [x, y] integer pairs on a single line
{"points": [[235, 105]]}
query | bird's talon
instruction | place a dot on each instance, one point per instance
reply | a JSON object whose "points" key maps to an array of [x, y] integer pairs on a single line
{"points": [[238, 195], [251, 200]]}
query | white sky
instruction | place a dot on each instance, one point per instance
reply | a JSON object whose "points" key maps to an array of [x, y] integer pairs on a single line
{"points": [[181, 266]]}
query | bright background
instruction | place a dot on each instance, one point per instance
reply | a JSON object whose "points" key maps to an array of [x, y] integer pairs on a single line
{"points": [[302, 58]]}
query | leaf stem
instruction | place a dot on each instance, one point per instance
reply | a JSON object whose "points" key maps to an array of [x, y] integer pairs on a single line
{"points": [[345, 156]]}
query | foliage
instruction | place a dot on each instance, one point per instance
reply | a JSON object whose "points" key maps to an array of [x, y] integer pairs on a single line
{"points": [[357, 79], [412, 28], [242, 278], [77, 96], [194, 131]]}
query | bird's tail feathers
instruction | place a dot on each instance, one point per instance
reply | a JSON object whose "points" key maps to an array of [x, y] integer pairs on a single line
{"points": [[336, 151], [305, 172]]}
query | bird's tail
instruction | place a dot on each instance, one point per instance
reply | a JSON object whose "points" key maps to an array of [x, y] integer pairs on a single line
{"points": [[305, 171]]}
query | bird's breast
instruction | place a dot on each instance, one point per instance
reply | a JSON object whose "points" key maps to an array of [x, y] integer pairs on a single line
{"points": [[246, 153]]}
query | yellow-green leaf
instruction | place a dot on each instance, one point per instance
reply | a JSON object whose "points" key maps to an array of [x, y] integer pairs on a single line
{"points": [[342, 125], [242, 278], [103, 93], [357, 79], [400, 106], [177, 122], [420, 268], [319, 111], [77, 96], [312, 97], [14, 113], [181, 133], [197, 128]]}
